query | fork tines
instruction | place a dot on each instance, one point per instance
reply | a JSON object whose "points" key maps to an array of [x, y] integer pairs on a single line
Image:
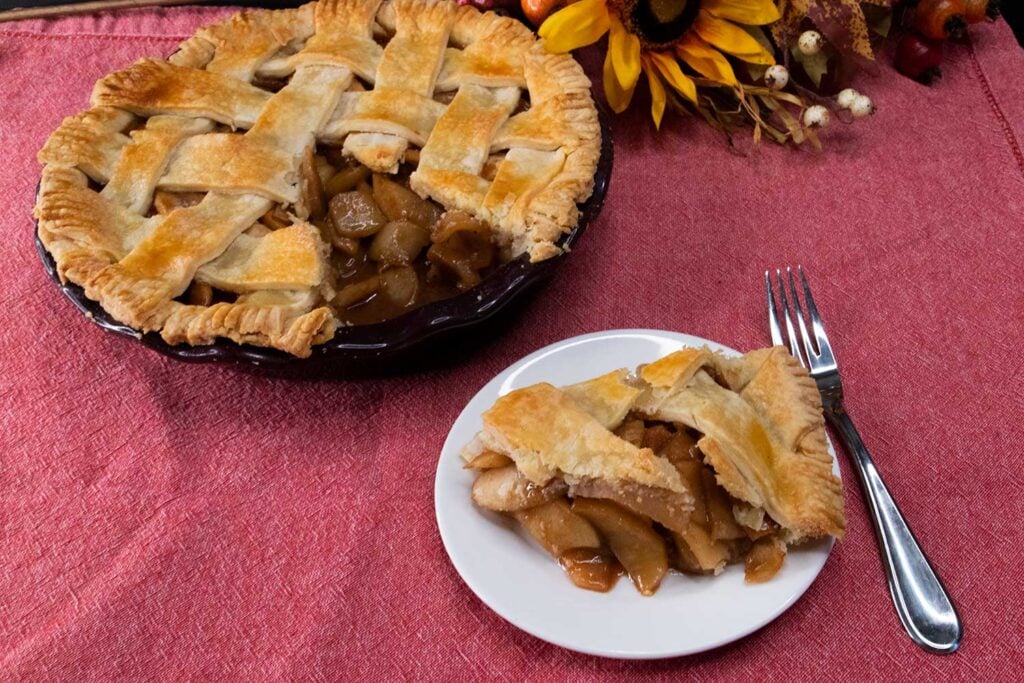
{"points": [[818, 352]]}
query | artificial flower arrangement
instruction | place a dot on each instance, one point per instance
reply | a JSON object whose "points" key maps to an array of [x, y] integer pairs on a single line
{"points": [[780, 67]]}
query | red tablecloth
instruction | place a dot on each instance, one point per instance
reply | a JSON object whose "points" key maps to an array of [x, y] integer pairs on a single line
{"points": [[174, 521]]}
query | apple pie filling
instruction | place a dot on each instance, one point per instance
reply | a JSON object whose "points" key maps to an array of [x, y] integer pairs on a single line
{"points": [[599, 531], [391, 250]]}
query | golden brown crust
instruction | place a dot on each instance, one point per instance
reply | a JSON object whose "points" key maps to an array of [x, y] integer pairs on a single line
{"points": [[479, 62], [450, 162], [562, 116], [548, 435], [761, 427], [138, 289], [234, 164], [242, 42], [143, 162], [274, 322], [292, 258], [608, 398], [153, 86], [788, 402], [82, 230], [764, 434], [90, 141], [558, 84], [342, 37], [388, 111], [135, 264], [674, 370]]}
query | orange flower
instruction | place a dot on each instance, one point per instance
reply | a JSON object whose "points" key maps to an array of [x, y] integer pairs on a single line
{"points": [[707, 31]]}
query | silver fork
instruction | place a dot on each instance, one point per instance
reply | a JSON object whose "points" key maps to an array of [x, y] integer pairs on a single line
{"points": [[920, 599]]}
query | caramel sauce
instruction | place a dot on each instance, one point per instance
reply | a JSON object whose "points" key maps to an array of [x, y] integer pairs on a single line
{"points": [[378, 307]]}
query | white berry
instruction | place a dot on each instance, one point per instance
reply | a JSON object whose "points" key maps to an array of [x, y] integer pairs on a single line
{"points": [[810, 42], [862, 106], [776, 77], [816, 117], [846, 97]]}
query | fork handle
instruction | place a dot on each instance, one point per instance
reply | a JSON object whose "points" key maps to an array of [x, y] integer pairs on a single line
{"points": [[920, 599]]}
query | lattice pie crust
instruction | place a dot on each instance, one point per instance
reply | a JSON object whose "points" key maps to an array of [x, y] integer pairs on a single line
{"points": [[198, 122]]}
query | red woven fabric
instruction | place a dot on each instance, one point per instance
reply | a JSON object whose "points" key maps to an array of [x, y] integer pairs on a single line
{"points": [[161, 520]]}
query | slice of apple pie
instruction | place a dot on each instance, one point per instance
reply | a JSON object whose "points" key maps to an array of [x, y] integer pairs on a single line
{"points": [[697, 461]]}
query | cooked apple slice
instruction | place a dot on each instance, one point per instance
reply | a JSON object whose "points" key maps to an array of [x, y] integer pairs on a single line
{"points": [[656, 437], [679, 448], [683, 558], [632, 539], [573, 542], [594, 569], [709, 554], [753, 521], [506, 490], [631, 430], [557, 528], [668, 508], [689, 472], [701, 554], [719, 509], [488, 460], [764, 559]]}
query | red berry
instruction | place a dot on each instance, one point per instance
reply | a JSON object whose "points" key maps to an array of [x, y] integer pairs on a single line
{"points": [[485, 5], [538, 10], [979, 10], [939, 19], [918, 58]]}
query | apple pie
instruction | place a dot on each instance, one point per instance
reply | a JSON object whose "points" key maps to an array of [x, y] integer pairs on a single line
{"points": [[288, 171], [695, 461]]}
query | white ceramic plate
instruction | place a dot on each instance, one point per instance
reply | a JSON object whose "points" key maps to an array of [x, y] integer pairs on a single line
{"points": [[513, 576]]}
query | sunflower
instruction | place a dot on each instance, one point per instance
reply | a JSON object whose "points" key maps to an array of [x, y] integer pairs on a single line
{"points": [[654, 36]]}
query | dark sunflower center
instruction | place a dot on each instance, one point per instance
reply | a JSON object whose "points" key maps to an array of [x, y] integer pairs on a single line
{"points": [[663, 22]]}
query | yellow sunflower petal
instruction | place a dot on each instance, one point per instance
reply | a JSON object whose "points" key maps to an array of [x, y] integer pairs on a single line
{"points": [[753, 12], [669, 69], [624, 53], [579, 24], [657, 93], [705, 60], [731, 38], [617, 95]]}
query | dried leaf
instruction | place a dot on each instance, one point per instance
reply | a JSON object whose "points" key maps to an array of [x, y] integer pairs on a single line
{"points": [[841, 21], [792, 13], [813, 137], [788, 120], [815, 65], [728, 108], [879, 19], [756, 71], [775, 134]]}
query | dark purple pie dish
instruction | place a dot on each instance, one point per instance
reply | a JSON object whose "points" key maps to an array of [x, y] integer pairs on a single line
{"points": [[441, 332]]}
